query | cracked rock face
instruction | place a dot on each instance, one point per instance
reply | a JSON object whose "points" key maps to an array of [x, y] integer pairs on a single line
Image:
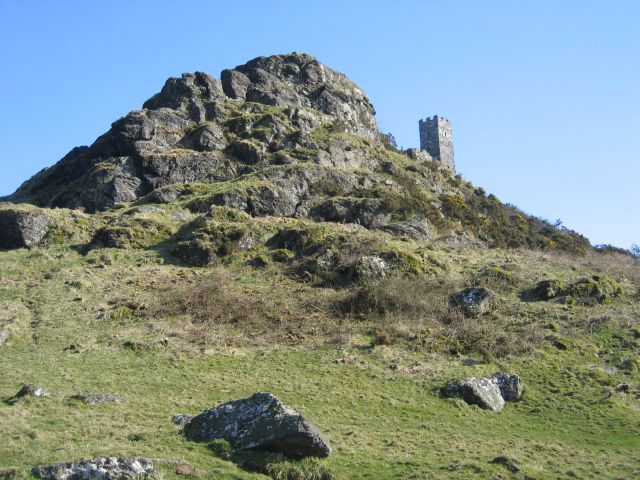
{"points": [[108, 468], [488, 393], [300, 80], [260, 422]]}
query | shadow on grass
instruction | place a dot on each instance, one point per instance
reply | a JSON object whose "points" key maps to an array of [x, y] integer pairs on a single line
{"points": [[273, 464]]}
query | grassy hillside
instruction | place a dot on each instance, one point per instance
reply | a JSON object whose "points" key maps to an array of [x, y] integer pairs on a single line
{"points": [[370, 381], [258, 233]]}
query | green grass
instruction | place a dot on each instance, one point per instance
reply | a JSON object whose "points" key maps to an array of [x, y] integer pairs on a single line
{"points": [[382, 423]]}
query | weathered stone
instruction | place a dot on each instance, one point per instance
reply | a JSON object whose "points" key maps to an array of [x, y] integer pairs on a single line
{"points": [[488, 393], [547, 289], [370, 267], [417, 229], [269, 200], [23, 228], [192, 93], [29, 390], [508, 463], [108, 468], [260, 422], [235, 84], [511, 387], [206, 138], [474, 301], [300, 80], [97, 398], [588, 291], [368, 212], [181, 419], [483, 392], [196, 252], [166, 194]]}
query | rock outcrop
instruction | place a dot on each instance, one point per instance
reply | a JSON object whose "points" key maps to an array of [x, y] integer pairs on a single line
{"points": [[488, 393], [260, 422], [198, 129], [299, 80], [107, 468]]}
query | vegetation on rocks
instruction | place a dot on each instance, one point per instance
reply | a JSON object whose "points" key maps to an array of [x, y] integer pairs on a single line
{"points": [[258, 234]]}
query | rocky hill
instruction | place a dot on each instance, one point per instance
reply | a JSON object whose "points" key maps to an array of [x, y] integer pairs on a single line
{"points": [[280, 136], [258, 233]]}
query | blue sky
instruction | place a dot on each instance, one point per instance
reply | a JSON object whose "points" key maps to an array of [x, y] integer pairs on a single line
{"points": [[544, 96]]}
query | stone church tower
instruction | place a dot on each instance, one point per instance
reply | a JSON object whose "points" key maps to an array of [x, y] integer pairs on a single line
{"points": [[436, 140]]}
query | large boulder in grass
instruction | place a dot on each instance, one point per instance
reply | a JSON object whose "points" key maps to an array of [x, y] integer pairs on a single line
{"points": [[108, 468], [260, 422], [22, 228], [488, 393], [483, 392]]}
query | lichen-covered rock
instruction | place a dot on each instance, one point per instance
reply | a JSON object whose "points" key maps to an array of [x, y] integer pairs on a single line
{"points": [[483, 392], [22, 228], [595, 289], [418, 229], [488, 393], [181, 419], [107, 468], [196, 252], [474, 301], [511, 386], [370, 267], [547, 289], [260, 422], [29, 390], [588, 290]]}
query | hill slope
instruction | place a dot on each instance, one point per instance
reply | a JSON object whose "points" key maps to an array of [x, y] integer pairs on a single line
{"points": [[258, 233]]}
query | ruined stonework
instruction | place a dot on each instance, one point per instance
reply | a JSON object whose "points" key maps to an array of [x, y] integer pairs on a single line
{"points": [[436, 139]]}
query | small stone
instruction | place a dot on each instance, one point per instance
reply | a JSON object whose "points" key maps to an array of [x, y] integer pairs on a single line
{"points": [[73, 348], [181, 419], [97, 398], [474, 301], [189, 470], [507, 462], [622, 388], [26, 391]]}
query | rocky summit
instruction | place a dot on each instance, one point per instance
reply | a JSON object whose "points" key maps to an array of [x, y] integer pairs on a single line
{"points": [[256, 232], [199, 129]]}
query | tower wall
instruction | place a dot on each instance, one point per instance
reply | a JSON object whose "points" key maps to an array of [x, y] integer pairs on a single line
{"points": [[437, 140]]}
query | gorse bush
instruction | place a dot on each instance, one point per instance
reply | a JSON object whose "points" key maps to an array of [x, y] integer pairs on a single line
{"points": [[504, 226]]}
